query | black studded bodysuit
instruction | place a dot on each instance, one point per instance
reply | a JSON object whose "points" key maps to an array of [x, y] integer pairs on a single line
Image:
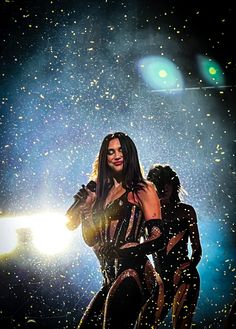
{"points": [[121, 222], [130, 281], [168, 261]]}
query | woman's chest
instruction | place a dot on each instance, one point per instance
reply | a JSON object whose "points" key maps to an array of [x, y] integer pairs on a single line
{"points": [[174, 225], [122, 220]]}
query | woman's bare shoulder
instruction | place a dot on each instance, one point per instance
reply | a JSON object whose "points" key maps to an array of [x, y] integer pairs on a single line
{"points": [[148, 186], [186, 210], [148, 193]]}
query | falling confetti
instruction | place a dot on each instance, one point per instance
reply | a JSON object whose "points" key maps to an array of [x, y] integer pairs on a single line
{"points": [[71, 72]]}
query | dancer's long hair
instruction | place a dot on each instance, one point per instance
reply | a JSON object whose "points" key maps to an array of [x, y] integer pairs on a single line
{"points": [[161, 175], [132, 177]]}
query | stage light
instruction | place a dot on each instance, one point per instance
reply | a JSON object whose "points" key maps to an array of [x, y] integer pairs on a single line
{"points": [[8, 236], [160, 73], [49, 233], [210, 70]]}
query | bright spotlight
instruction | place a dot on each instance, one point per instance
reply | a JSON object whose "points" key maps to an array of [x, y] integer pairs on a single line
{"points": [[210, 70], [160, 73], [49, 233], [8, 236]]}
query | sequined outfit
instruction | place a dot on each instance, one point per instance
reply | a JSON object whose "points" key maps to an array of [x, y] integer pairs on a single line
{"points": [[168, 261], [131, 285]]}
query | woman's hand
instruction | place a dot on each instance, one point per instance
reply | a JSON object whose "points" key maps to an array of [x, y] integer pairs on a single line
{"points": [[86, 207], [77, 213]]}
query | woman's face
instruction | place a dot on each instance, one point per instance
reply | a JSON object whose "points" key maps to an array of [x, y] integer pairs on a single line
{"points": [[115, 159], [168, 190]]}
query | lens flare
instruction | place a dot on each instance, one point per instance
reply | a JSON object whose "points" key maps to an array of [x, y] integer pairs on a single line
{"points": [[160, 73], [49, 233], [210, 70], [8, 236]]}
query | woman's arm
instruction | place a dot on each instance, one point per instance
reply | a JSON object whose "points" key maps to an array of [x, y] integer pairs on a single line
{"points": [[149, 202], [73, 214], [194, 236], [150, 205], [82, 214], [73, 220], [89, 230]]}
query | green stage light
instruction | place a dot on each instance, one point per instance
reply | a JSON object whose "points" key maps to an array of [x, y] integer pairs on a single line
{"points": [[210, 70], [160, 73]]}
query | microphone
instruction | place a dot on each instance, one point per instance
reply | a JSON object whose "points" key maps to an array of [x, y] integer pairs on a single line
{"points": [[81, 196]]}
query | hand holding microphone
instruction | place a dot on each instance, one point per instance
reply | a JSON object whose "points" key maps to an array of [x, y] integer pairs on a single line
{"points": [[84, 200]]}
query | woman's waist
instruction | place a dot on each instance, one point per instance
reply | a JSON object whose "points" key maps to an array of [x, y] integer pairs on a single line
{"points": [[171, 262], [128, 261], [112, 268], [104, 243]]}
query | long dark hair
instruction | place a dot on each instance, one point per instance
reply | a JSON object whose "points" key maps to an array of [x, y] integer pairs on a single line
{"points": [[132, 178], [161, 175]]}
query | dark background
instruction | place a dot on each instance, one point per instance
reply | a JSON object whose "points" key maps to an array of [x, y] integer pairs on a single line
{"points": [[69, 76]]}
